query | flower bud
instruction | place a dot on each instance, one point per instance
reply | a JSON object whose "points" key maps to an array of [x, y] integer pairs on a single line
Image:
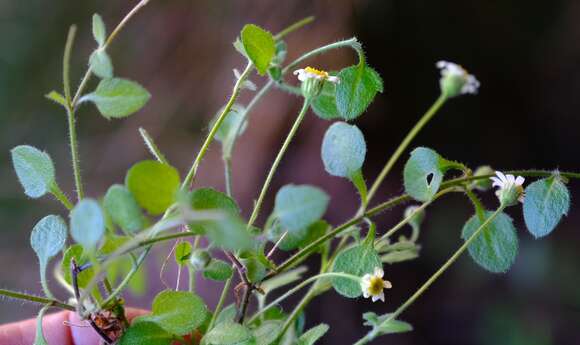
{"points": [[483, 184], [312, 81], [455, 80], [199, 259]]}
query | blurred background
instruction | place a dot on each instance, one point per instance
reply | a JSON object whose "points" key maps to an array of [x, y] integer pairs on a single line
{"points": [[525, 53]]}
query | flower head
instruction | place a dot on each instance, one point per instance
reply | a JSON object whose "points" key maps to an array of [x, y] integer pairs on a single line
{"points": [[372, 285], [455, 80], [510, 188], [312, 80]]}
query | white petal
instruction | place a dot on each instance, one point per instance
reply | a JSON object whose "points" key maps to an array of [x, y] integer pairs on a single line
{"points": [[496, 182], [520, 180], [387, 284], [333, 79], [298, 71], [501, 176], [379, 272], [366, 294], [511, 178]]}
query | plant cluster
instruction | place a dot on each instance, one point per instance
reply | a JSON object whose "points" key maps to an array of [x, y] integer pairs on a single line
{"points": [[113, 234]]}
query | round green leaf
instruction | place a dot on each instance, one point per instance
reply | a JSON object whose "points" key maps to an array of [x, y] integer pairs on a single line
{"points": [[182, 253], [229, 333], [259, 46], [343, 150], [297, 238], [101, 64], [324, 105], [356, 90], [34, 169], [218, 270], [177, 312], [87, 224], [48, 237], [123, 209], [211, 199], [358, 261], [423, 174], [153, 184], [545, 202], [116, 98], [299, 206], [145, 333], [496, 247]]}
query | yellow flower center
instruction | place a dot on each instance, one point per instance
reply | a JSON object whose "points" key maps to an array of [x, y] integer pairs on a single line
{"points": [[317, 72], [375, 285]]}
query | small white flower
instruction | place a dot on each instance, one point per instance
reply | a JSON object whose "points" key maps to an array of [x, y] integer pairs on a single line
{"points": [[313, 73], [372, 285], [510, 188], [455, 80]]}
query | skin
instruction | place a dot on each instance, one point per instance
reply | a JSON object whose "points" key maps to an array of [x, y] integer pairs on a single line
{"points": [[55, 330]]}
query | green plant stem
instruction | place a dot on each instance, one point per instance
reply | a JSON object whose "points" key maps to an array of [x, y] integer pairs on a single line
{"points": [[309, 296], [479, 210], [210, 137], [191, 286], [74, 152], [405, 143], [108, 42], [405, 221], [438, 273], [44, 282], [277, 161], [66, 64], [228, 175], [351, 42], [299, 24], [300, 286], [113, 296], [152, 146], [36, 299], [60, 196], [219, 306]]}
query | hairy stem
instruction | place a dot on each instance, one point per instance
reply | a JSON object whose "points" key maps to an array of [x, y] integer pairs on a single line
{"points": [[74, 152], [36, 299], [277, 161], [405, 143]]}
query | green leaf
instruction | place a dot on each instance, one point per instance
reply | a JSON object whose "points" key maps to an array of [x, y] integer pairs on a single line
{"points": [[116, 98], [233, 126], [99, 30], [423, 174], [358, 261], [182, 253], [229, 333], [545, 202], [343, 150], [382, 325], [48, 237], [87, 224], [153, 184], [34, 169], [123, 209], [145, 333], [313, 334], [299, 206], [218, 270], [297, 238], [356, 90], [324, 105], [267, 332], [259, 46], [177, 312], [76, 251], [101, 64], [39, 338], [495, 249], [211, 199], [56, 98], [227, 315], [255, 269]]}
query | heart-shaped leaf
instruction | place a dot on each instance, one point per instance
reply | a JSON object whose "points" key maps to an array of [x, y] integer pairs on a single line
{"points": [[423, 173], [357, 88], [545, 203], [218, 270], [101, 64], [259, 46], [299, 206], [116, 97], [358, 260]]}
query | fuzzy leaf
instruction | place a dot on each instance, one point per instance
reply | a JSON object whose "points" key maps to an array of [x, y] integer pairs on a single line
{"points": [[229, 333], [146, 333], [153, 184], [343, 150], [358, 261], [259, 46], [267, 332], [211, 199], [101, 64], [356, 90], [423, 174], [48, 238], [99, 30], [116, 98], [87, 224], [56, 97], [313, 334], [123, 209], [218, 270], [324, 105], [39, 338], [177, 312], [297, 238], [381, 326], [496, 247], [34, 169], [545, 202], [298, 206]]}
